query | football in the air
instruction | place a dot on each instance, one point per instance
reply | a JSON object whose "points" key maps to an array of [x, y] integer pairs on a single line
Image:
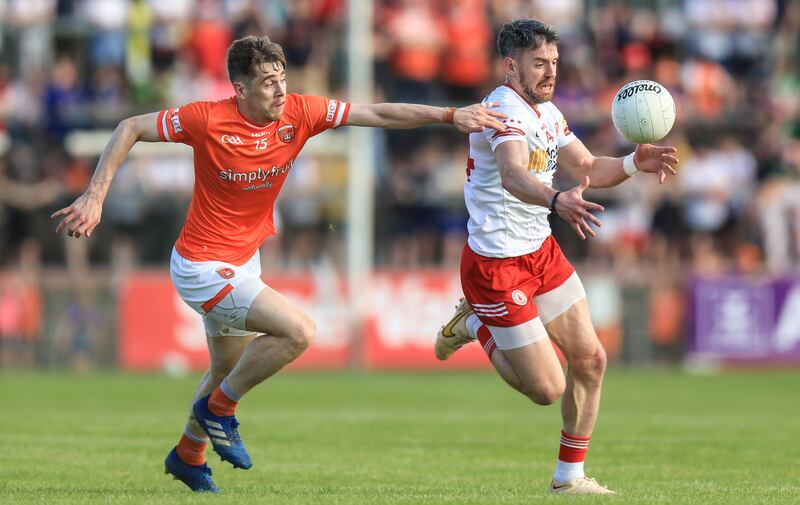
{"points": [[643, 111]]}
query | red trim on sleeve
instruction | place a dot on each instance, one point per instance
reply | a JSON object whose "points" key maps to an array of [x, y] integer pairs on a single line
{"points": [[509, 131], [210, 304], [344, 116], [160, 123]]}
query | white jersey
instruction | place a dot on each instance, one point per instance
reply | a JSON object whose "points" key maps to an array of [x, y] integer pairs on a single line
{"points": [[500, 225]]}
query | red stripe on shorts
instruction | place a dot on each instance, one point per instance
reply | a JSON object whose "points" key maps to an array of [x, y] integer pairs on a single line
{"points": [[210, 304]]}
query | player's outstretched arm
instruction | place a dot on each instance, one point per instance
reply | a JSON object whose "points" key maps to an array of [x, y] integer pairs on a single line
{"points": [[83, 215], [512, 160], [605, 172], [473, 118]]}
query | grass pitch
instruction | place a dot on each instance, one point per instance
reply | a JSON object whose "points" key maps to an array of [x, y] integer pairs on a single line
{"points": [[421, 438]]}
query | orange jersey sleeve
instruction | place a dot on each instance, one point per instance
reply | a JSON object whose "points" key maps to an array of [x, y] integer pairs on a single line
{"points": [[324, 113], [186, 124]]}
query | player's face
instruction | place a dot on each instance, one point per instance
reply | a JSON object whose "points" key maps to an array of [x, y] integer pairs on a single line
{"points": [[536, 73], [266, 92]]}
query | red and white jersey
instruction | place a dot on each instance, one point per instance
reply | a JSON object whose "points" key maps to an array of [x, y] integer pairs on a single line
{"points": [[500, 225], [239, 168]]}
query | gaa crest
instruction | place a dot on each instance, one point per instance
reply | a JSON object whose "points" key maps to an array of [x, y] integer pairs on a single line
{"points": [[286, 133]]}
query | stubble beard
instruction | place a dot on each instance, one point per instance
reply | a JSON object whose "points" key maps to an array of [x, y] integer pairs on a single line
{"points": [[539, 97]]}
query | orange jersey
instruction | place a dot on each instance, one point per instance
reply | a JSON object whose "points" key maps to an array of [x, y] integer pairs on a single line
{"points": [[239, 168]]}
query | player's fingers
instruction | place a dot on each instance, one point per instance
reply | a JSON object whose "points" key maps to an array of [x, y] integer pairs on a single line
{"points": [[661, 176], [494, 124], [670, 159], [61, 212], [669, 169], [578, 230], [81, 230], [64, 222], [496, 113], [585, 183], [489, 105], [593, 206], [593, 219], [666, 149], [586, 227]]}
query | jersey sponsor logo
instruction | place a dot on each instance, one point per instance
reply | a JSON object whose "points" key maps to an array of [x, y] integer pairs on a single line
{"points": [[332, 104], [519, 297], [175, 120], [258, 178], [540, 160], [225, 272], [286, 133], [232, 139]]}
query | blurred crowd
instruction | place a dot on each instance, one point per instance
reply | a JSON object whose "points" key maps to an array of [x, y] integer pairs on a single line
{"points": [[75, 66]]}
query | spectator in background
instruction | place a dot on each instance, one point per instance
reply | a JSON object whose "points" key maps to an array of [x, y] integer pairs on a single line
{"points": [[415, 35], [778, 205], [465, 65], [65, 99], [108, 20]]}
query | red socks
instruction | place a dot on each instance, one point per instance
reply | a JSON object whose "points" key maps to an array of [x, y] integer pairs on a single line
{"points": [[486, 340], [219, 403], [573, 449], [191, 451]]}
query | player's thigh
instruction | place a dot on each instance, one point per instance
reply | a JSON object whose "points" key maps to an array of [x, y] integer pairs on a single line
{"points": [[565, 313], [272, 313], [538, 369], [574, 334]]}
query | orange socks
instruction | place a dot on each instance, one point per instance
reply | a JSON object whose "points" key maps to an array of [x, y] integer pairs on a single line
{"points": [[191, 451], [220, 404]]}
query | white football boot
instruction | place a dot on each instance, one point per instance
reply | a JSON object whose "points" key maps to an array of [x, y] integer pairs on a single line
{"points": [[581, 485], [454, 334]]}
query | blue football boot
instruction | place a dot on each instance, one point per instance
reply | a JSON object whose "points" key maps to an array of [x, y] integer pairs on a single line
{"points": [[224, 435], [198, 478]]}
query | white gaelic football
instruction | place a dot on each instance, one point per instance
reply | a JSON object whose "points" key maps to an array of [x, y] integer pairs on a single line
{"points": [[643, 111]]}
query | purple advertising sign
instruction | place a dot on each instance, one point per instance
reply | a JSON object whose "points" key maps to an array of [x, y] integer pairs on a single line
{"points": [[744, 318]]}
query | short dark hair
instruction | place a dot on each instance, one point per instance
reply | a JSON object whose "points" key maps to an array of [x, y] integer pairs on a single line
{"points": [[249, 53], [524, 34]]}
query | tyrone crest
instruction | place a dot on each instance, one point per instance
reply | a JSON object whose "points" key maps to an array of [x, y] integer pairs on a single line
{"points": [[286, 133]]}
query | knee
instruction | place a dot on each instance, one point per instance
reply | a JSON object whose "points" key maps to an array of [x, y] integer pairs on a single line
{"points": [[302, 335], [590, 367], [548, 392]]}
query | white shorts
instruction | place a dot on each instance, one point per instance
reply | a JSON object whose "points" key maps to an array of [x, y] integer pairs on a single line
{"points": [[221, 292]]}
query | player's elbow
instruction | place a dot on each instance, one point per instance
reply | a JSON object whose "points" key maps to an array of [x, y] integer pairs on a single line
{"points": [[127, 125]]}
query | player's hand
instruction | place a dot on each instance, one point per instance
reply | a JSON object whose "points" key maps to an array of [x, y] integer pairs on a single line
{"points": [[656, 160], [573, 209], [81, 217], [477, 117]]}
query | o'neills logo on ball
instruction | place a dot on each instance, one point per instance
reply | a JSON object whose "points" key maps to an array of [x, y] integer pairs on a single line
{"points": [[519, 297], [637, 87]]}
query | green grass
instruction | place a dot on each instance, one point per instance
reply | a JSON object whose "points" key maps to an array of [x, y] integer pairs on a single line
{"points": [[662, 438]]}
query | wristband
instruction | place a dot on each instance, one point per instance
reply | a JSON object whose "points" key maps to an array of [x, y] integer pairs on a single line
{"points": [[447, 117], [629, 166], [553, 201]]}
